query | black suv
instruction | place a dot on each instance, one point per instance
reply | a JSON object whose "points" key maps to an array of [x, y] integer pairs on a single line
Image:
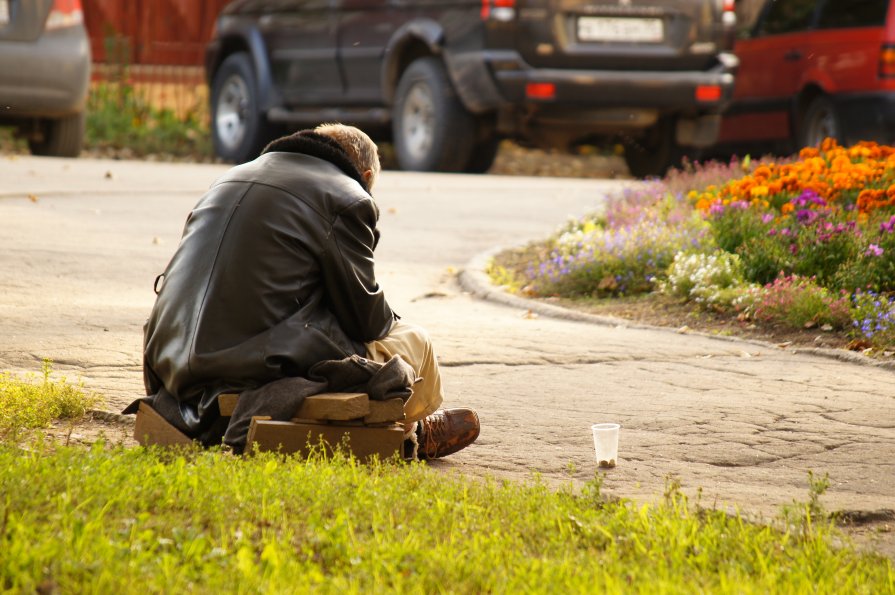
{"points": [[445, 80]]}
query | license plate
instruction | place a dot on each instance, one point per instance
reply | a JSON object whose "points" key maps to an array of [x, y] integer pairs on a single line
{"points": [[4, 12], [620, 29]]}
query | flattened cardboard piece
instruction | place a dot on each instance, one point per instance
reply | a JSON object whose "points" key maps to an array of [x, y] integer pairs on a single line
{"points": [[250, 435], [335, 406], [227, 403], [152, 428], [385, 411], [291, 437]]}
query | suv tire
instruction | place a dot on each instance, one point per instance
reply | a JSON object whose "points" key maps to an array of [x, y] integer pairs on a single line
{"points": [[483, 155], [62, 137], [431, 129], [819, 122], [655, 152], [239, 130]]}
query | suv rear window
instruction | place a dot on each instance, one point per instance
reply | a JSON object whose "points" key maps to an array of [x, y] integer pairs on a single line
{"points": [[787, 16], [839, 14]]}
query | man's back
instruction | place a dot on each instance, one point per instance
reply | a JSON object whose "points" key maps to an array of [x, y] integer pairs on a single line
{"points": [[274, 273]]}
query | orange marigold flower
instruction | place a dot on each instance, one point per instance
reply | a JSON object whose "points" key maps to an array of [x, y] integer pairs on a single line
{"points": [[828, 145], [758, 191], [808, 152], [762, 171]]}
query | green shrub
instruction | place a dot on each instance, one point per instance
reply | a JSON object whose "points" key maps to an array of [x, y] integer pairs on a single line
{"points": [[737, 224], [873, 267], [764, 258], [800, 302], [821, 252], [31, 402], [119, 117]]}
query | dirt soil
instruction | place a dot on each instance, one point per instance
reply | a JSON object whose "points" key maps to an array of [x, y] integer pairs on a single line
{"points": [[657, 310]]}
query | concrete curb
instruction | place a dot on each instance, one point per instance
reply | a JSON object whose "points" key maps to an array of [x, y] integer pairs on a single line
{"points": [[475, 281]]}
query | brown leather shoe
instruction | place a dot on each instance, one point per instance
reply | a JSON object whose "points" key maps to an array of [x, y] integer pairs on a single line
{"points": [[446, 431]]}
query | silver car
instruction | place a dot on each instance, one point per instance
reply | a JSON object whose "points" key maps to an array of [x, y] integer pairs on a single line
{"points": [[44, 73]]}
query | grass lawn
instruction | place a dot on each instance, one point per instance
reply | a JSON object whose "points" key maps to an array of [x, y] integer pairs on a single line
{"points": [[135, 520], [107, 519]]}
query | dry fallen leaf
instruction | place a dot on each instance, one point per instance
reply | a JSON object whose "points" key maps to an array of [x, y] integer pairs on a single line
{"points": [[529, 315], [32, 197]]}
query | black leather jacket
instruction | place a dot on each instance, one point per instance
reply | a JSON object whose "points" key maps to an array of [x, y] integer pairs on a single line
{"points": [[273, 274]]}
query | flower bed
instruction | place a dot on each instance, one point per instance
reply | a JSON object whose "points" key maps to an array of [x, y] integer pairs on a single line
{"points": [[804, 242]]}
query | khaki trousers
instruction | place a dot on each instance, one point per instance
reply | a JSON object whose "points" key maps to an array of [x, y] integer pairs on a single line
{"points": [[412, 343]]}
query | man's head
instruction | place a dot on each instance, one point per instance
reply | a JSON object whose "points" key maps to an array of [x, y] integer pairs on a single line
{"points": [[360, 148]]}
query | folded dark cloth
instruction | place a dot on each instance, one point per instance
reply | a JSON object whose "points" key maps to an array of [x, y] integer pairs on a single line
{"points": [[281, 399]]}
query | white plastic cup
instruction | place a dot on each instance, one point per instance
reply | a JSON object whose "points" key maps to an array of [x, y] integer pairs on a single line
{"points": [[606, 444]]}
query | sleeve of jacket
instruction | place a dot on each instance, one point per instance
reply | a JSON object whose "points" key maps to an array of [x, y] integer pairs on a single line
{"points": [[348, 269]]}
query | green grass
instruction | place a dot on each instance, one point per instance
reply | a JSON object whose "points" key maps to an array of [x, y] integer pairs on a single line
{"points": [[34, 401], [112, 519]]}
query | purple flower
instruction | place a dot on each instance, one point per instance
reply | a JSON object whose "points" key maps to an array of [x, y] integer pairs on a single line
{"points": [[888, 226], [768, 217], [806, 215], [873, 250], [808, 197]]}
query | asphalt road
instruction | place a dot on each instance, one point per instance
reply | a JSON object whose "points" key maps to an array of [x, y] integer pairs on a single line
{"points": [[82, 240]]}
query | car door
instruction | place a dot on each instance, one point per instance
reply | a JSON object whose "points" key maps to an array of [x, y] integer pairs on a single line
{"points": [[301, 42], [771, 60], [365, 27]]}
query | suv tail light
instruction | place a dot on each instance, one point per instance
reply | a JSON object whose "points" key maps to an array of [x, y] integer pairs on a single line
{"points": [[708, 93], [65, 13], [499, 10], [545, 91], [887, 61], [728, 14]]}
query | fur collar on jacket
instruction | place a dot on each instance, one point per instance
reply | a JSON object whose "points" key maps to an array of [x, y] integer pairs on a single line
{"points": [[308, 142]]}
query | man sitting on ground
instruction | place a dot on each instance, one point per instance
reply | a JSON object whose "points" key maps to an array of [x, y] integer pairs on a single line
{"points": [[274, 274]]}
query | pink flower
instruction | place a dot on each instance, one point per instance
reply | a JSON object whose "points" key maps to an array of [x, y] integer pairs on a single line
{"points": [[873, 250]]}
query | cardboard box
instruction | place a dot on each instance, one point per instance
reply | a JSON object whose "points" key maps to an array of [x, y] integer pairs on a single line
{"points": [[298, 437]]}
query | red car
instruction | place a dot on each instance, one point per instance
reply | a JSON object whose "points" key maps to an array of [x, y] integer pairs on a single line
{"points": [[811, 69]]}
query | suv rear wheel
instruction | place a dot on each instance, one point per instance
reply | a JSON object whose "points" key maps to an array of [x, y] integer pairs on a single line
{"points": [[655, 152], [431, 129], [483, 155], [60, 137], [239, 130], [819, 122]]}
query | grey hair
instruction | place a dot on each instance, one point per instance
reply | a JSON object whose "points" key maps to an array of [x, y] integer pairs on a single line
{"points": [[361, 149]]}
